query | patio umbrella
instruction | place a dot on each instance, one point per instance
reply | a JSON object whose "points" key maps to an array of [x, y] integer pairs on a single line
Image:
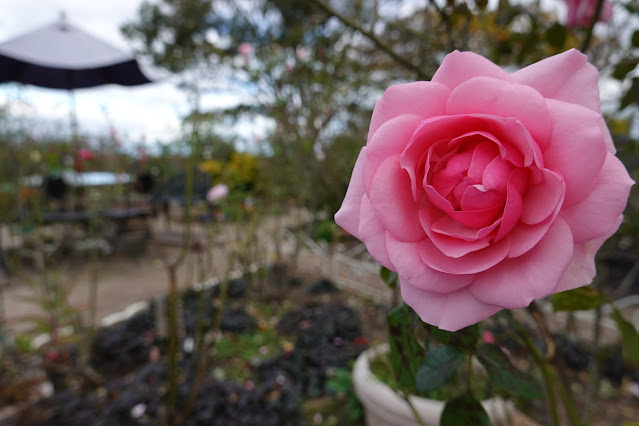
{"points": [[63, 56]]}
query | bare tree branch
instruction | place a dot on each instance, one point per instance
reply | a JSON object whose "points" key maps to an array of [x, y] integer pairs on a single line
{"points": [[372, 37]]}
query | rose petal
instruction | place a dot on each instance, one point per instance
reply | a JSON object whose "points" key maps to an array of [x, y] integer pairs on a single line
{"points": [[392, 199], [576, 134], [438, 200], [408, 264], [542, 199], [348, 215], [477, 95], [453, 172], [390, 139], [476, 197], [483, 154], [437, 156], [528, 106], [472, 263], [515, 282], [452, 247], [446, 225], [443, 310], [512, 208], [566, 77], [582, 268], [508, 134], [495, 176], [491, 96], [459, 67], [477, 218], [524, 237], [520, 147], [424, 98], [372, 233], [595, 215]]}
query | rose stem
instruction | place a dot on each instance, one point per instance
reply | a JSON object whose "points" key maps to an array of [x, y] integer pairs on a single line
{"points": [[593, 368], [546, 371], [412, 408], [470, 373], [565, 392], [591, 27]]}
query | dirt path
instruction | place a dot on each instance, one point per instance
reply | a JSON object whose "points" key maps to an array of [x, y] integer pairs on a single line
{"points": [[136, 271]]}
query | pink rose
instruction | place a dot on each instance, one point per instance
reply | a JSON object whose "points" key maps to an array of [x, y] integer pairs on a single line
{"points": [[485, 190], [245, 49], [580, 12]]}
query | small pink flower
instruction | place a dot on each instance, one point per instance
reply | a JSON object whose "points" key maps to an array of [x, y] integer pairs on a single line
{"points": [[488, 337], [217, 192], [301, 53], [580, 12], [485, 190], [85, 154], [245, 49]]}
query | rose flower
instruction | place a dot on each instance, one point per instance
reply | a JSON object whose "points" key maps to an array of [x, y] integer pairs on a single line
{"points": [[581, 12], [485, 190]]}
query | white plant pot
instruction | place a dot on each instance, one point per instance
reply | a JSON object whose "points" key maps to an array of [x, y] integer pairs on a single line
{"points": [[383, 407]]}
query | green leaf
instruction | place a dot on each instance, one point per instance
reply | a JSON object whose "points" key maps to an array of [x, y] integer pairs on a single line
{"points": [[624, 67], [631, 95], [556, 35], [389, 277], [440, 366], [629, 338], [464, 339], [504, 375], [632, 6], [481, 4], [635, 39], [406, 354], [464, 410], [578, 299]]}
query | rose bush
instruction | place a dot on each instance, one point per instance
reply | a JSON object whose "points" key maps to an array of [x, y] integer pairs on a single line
{"points": [[485, 190], [581, 12]]}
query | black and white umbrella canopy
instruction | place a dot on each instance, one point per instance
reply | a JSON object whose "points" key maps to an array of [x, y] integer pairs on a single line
{"points": [[63, 56]]}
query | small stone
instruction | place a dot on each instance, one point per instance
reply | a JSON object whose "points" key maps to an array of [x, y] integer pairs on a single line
{"points": [[46, 389], [219, 373], [188, 345], [154, 354], [138, 410]]}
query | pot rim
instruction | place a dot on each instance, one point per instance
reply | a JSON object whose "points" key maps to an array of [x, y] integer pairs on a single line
{"points": [[385, 403]]}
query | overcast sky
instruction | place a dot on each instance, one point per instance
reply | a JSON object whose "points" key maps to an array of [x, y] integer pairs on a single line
{"points": [[150, 112], [144, 113]]}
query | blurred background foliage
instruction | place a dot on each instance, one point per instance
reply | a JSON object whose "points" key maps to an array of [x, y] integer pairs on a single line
{"points": [[316, 67], [313, 70]]}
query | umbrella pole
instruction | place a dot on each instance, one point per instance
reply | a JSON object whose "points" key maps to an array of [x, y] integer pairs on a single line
{"points": [[75, 193], [73, 115]]}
